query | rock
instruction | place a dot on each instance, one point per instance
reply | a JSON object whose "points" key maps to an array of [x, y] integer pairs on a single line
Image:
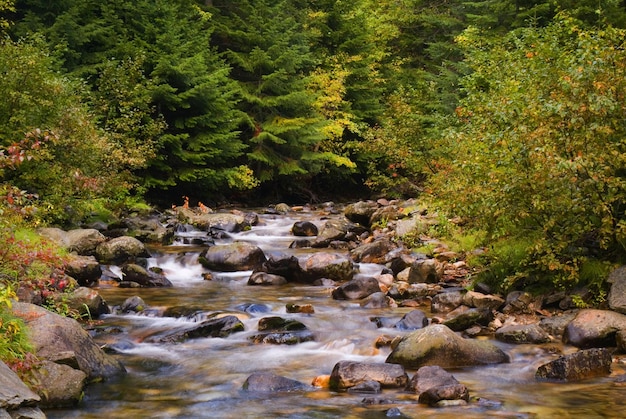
{"points": [[287, 266], [348, 374], [87, 302], [522, 333], [134, 304], [464, 317], [237, 256], [620, 339], [84, 269], [480, 300], [208, 221], [333, 230], [438, 345], [216, 327], [326, 265], [282, 208], [277, 330], [55, 234], [617, 293], [148, 230], [373, 252], [144, 277], [577, 366], [433, 384], [385, 214], [594, 328], [267, 382], [376, 300], [13, 392], [304, 229], [120, 250], [356, 289], [413, 320], [425, 271], [61, 385], [84, 241], [446, 301], [521, 302], [367, 387], [555, 325], [297, 308], [360, 212], [263, 278], [51, 335]]}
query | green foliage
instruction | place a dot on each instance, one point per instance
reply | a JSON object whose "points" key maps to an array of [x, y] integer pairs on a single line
{"points": [[14, 343], [539, 153]]}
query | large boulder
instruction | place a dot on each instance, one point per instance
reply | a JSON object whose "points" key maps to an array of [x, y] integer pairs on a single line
{"points": [[348, 374], [326, 265], [333, 230], [136, 274], [428, 271], [213, 221], [617, 293], [121, 249], [63, 340], [439, 345], [87, 302], [373, 252], [147, 229], [356, 289], [237, 256], [433, 384], [463, 318], [61, 385], [84, 241], [84, 269], [480, 300], [594, 328], [522, 333], [17, 400], [360, 212], [304, 229], [577, 366]]}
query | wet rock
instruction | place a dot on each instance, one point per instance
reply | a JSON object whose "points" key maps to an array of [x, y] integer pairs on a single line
{"points": [[373, 252], [617, 293], [577, 366], [147, 229], [439, 345], [144, 277], [620, 339], [356, 289], [348, 374], [334, 230], [287, 266], [51, 334], [522, 333], [120, 250], [446, 301], [279, 331], [361, 212], [376, 300], [84, 269], [208, 221], [264, 278], [326, 265], [425, 271], [16, 399], [87, 302], [434, 384], [555, 325], [134, 304], [480, 300], [216, 327], [386, 213], [367, 387], [61, 385], [282, 208], [594, 328], [84, 241], [304, 229], [413, 320], [521, 302], [297, 308], [267, 382], [237, 256], [464, 317]]}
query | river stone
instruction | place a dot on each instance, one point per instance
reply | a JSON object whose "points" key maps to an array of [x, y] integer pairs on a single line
{"points": [[577, 366], [348, 374], [367, 387], [376, 300], [446, 301], [134, 304], [522, 333], [555, 325], [427, 271], [237, 256], [594, 328], [360, 212], [373, 252], [439, 345], [620, 339], [13, 392], [304, 229], [521, 302], [148, 230], [413, 320], [144, 277], [206, 221], [51, 334], [87, 302], [327, 265], [120, 250], [480, 300], [84, 241], [59, 385], [55, 234], [333, 230], [287, 266], [384, 214], [264, 278], [84, 269], [617, 293], [215, 327], [463, 317], [267, 382], [433, 384], [356, 289]]}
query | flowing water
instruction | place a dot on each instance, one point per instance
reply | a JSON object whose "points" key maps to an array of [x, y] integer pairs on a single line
{"points": [[202, 378]]}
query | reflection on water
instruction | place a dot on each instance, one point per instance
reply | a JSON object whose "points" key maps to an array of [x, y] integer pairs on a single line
{"points": [[202, 378]]}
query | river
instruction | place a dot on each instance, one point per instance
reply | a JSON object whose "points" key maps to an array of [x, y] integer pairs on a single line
{"points": [[203, 378]]}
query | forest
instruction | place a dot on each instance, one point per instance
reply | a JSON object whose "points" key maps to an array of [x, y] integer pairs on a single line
{"points": [[508, 118]]}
